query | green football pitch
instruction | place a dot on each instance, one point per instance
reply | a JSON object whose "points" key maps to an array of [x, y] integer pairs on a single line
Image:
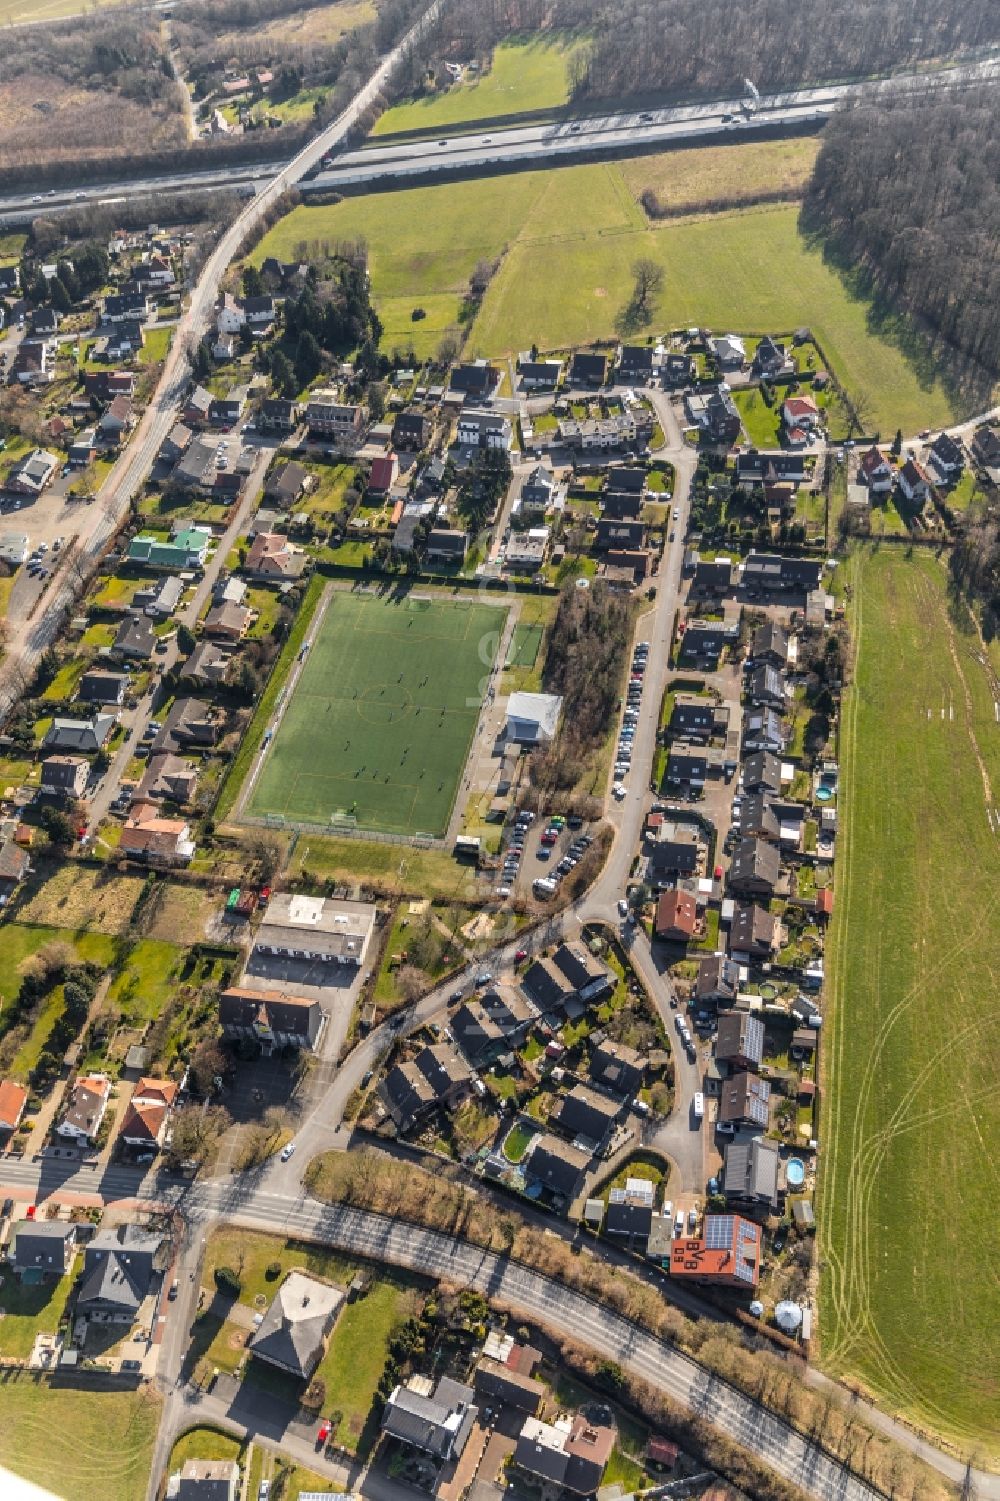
{"points": [[379, 724]]}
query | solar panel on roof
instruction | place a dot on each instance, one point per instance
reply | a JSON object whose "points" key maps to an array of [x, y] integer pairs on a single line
{"points": [[718, 1232]]}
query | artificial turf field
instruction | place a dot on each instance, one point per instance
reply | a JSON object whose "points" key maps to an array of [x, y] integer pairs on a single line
{"points": [[379, 724], [910, 1121]]}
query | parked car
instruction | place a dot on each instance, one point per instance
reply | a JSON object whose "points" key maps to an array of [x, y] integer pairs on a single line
{"points": [[287, 1151]]}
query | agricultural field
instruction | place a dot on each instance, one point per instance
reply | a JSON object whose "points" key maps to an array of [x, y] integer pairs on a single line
{"points": [[380, 720], [91, 1445], [566, 240], [527, 77], [909, 1296]]}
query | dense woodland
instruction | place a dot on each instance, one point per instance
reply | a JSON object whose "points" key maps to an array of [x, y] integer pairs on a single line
{"points": [[641, 46], [713, 45], [907, 188], [584, 662]]}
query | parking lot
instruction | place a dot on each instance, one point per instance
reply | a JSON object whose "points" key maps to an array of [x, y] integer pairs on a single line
{"points": [[537, 850]]}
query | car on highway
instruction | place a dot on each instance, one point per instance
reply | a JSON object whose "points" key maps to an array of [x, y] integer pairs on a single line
{"points": [[574, 130], [36, 197], [287, 1151], [646, 118], [442, 143]]}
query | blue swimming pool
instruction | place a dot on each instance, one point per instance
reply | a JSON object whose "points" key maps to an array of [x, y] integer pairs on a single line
{"points": [[795, 1173], [824, 794]]}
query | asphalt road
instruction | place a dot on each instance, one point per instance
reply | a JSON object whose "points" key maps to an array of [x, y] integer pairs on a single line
{"points": [[616, 134], [253, 1206]]}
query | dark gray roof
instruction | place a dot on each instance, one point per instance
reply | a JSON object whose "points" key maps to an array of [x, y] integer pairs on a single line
{"points": [[297, 1323], [439, 1424], [755, 862], [586, 1113], [556, 1166], [117, 1269], [751, 1170], [42, 1244], [763, 769], [740, 1035], [718, 978], [617, 1067]]}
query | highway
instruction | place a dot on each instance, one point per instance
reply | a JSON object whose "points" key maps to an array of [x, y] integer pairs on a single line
{"points": [[570, 138]]}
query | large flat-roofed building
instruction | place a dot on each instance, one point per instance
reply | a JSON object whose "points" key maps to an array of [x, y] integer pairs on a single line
{"points": [[315, 928]]}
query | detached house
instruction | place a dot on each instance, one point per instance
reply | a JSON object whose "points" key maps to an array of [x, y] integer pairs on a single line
{"points": [[947, 457], [85, 736], [88, 1102], [875, 471], [144, 1125], [771, 360], [32, 474], [154, 840], [635, 364], [587, 369], [476, 380], [800, 412], [740, 1040], [277, 415], [118, 1267], [272, 556], [13, 1100], [412, 430], [65, 776], [730, 351], [914, 482]]}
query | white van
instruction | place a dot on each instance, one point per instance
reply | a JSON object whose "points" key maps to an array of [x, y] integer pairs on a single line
{"points": [[544, 886], [699, 1106]]}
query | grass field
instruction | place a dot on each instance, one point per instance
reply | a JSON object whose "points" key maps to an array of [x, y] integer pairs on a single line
{"points": [[527, 76], [16, 12], [91, 1445], [567, 240], [29, 1310], [703, 174], [380, 721], [909, 1300]]}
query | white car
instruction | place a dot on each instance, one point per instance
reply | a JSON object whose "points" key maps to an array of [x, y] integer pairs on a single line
{"points": [[618, 792], [286, 1152], [622, 907]]}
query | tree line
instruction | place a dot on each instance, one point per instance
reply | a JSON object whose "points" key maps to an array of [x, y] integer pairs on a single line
{"points": [[584, 662], [907, 188]]}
